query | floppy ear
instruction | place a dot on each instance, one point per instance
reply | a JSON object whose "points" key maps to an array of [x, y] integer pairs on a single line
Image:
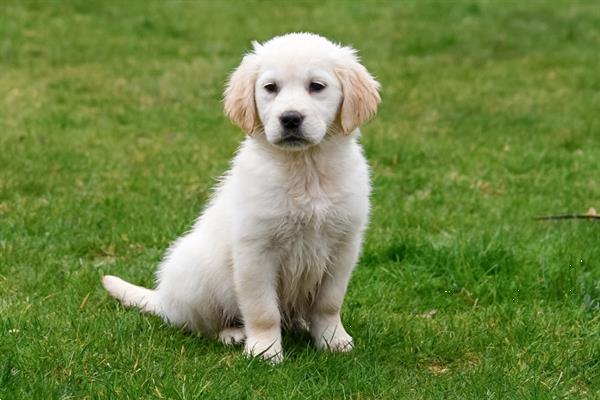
{"points": [[360, 93], [239, 95]]}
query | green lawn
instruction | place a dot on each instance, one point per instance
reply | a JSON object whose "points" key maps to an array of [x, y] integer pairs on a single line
{"points": [[112, 134]]}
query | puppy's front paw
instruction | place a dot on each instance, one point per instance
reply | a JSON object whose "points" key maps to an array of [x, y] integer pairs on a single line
{"points": [[330, 335], [268, 349], [337, 342]]}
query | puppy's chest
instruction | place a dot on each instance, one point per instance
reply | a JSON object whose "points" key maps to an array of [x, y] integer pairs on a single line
{"points": [[314, 218], [306, 239], [312, 230]]}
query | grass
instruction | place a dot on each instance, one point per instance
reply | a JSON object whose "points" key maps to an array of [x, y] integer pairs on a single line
{"points": [[112, 134]]}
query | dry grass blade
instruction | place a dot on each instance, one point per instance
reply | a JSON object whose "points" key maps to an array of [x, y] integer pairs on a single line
{"points": [[590, 214]]}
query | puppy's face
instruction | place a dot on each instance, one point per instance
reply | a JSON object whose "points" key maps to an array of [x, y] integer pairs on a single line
{"points": [[297, 102], [297, 88]]}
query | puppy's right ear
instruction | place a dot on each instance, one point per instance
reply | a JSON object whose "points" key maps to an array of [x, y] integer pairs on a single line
{"points": [[239, 95]]}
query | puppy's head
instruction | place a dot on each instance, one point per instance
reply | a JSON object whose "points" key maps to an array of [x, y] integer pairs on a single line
{"points": [[297, 88]]}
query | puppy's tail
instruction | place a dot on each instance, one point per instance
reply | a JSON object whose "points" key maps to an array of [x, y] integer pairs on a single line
{"points": [[131, 295]]}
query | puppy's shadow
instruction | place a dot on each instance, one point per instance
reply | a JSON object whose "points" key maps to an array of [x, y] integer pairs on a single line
{"points": [[296, 343]]}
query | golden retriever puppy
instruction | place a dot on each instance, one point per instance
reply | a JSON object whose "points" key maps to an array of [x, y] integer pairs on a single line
{"points": [[276, 245]]}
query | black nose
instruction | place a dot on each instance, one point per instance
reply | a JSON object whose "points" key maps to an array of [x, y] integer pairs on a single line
{"points": [[291, 119]]}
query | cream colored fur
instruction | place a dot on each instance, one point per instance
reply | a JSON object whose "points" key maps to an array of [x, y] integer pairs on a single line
{"points": [[278, 242]]}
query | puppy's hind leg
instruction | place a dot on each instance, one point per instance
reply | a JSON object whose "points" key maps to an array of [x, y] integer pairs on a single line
{"points": [[232, 335]]}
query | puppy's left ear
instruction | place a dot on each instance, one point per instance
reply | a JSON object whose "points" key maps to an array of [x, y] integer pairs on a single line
{"points": [[360, 93], [239, 102]]}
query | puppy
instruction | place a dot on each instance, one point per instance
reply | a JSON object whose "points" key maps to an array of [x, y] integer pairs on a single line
{"points": [[277, 243]]}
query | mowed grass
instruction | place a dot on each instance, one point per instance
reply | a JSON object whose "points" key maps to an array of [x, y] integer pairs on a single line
{"points": [[112, 135]]}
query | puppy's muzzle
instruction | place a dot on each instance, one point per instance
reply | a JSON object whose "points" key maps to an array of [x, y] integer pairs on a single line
{"points": [[291, 120], [291, 134]]}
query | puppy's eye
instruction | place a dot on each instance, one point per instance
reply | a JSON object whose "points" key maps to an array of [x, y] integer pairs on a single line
{"points": [[316, 87], [271, 87]]}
